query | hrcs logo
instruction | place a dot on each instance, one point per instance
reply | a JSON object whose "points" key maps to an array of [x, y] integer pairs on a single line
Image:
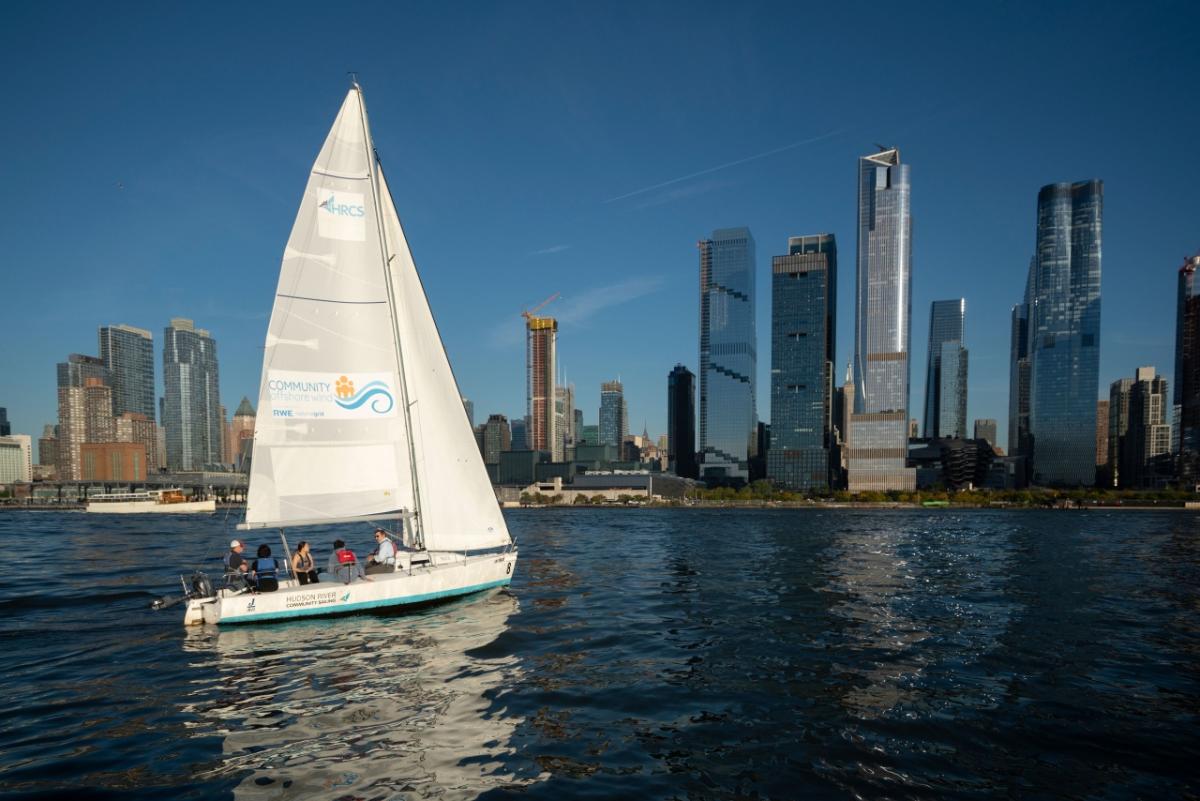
{"points": [[341, 215], [343, 209]]}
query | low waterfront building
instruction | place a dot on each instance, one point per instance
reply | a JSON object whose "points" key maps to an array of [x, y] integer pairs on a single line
{"points": [[16, 459]]}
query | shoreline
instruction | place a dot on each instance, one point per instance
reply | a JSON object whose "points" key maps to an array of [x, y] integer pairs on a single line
{"points": [[1175, 506]]}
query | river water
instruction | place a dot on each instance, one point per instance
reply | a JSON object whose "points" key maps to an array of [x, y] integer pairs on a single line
{"points": [[638, 654]]}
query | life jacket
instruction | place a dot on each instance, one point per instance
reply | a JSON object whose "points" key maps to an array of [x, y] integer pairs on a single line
{"points": [[265, 567], [345, 556]]}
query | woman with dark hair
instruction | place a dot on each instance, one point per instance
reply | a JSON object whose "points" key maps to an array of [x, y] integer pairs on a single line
{"points": [[265, 570], [303, 567]]}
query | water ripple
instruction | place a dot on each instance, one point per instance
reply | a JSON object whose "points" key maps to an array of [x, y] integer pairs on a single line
{"points": [[639, 654]]}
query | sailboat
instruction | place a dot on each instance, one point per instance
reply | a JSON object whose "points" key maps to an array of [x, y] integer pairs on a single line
{"points": [[360, 418]]}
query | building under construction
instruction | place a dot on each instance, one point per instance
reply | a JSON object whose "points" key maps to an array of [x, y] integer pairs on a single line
{"points": [[541, 334]]}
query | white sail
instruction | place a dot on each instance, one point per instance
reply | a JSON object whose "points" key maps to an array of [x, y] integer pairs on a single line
{"points": [[330, 441], [458, 506], [351, 339]]}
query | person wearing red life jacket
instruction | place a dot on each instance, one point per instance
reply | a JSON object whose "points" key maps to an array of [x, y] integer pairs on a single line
{"points": [[344, 564]]}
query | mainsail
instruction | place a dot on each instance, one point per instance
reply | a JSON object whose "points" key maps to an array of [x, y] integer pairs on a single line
{"points": [[351, 339]]}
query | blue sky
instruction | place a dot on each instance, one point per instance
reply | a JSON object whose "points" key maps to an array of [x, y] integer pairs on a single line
{"points": [[154, 158]]}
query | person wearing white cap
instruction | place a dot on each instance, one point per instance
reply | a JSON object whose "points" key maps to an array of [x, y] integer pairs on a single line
{"points": [[235, 564]]}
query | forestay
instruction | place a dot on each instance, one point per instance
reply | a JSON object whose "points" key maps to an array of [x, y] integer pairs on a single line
{"points": [[458, 506]]}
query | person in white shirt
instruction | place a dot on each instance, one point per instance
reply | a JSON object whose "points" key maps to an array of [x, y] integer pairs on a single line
{"points": [[383, 558]]}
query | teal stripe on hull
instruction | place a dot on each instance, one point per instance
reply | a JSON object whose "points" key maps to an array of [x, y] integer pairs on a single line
{"points": [[407, 600]]}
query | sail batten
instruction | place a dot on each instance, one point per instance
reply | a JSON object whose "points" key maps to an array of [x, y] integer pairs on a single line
{"points": [[359, 413]]}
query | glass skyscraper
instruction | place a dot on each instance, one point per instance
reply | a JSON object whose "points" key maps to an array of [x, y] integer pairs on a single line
{"points": [[1064, 334], [613, 424], [946, 389], [1186, 398], [728, 355], [803, 345], [192, 397], [878, 436], [1018, 376], [681, 422], [128, 353]]}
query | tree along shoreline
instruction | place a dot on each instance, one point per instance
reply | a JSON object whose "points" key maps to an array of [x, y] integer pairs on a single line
{"points": [[761, 494]]}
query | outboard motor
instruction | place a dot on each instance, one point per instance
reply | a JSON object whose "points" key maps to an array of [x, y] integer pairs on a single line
{"points": [[199, 586], [202, 586]]}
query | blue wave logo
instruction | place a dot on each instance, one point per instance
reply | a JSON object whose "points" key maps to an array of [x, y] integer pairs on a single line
{"points": [[376, 392]]}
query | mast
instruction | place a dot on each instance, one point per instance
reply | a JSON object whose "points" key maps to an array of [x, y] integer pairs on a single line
{"points": [[386, 258]]}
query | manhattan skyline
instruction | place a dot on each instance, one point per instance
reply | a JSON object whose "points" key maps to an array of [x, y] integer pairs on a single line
{"points": [[156, 181]]}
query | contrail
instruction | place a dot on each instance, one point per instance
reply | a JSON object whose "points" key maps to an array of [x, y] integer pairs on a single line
{"points": [[726, 165]]}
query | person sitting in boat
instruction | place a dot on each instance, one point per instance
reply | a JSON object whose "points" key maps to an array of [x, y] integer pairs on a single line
{"points": [[266, 571], [237, 569], [383, 558], [303, 566], [344, 564]]}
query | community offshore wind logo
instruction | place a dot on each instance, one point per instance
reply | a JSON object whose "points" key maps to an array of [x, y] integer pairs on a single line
{"points": [[341, 215], [322, 395], [376, 392]]}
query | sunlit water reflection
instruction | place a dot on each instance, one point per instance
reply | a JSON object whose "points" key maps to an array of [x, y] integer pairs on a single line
{"points": [[638, 654]]}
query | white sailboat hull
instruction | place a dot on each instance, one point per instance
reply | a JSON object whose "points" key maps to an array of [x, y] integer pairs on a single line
{"points": [[449, 576]]}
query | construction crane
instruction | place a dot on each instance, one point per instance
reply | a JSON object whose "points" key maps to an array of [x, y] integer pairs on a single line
{"points": [[528, 313]]}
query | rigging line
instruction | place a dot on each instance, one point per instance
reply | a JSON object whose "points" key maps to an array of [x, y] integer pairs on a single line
{"points": [[381, 231], [424, 294], [324, 174], [331, 300]]}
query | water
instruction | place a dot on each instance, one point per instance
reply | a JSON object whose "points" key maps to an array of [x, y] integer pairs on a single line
{"points": [[639, 654]]}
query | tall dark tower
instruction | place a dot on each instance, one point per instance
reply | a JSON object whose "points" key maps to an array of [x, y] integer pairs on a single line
{"points": [[681, 422], [803, 344]]}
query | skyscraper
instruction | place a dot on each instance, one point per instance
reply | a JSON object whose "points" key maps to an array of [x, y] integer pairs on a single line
{"points": [[541, 337], [564, 422], [73, 413], [520, 432], [48, 447], [5, 427], [681, 422], [843, 408], [1186, 396], [952, 391], [1018, 376], [1118, 428], [497, 438], [1139, 442], [946, 390], [1064, 333], [128, 353], [728, 354], [469, 407], [883, 309], [803, 347], [613, 421], [192, 397], [1148, 440], [134, 427], [985, 428]]}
